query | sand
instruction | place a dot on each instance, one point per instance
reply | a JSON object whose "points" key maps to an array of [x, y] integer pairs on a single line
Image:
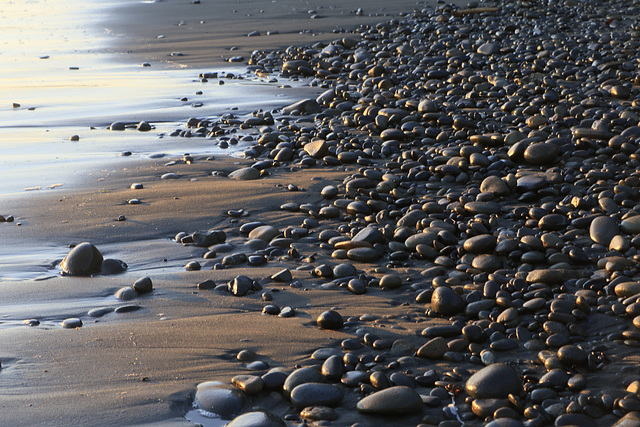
{"points": [[142, 367]]}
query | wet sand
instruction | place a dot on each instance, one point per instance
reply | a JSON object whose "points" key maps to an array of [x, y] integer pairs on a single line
{"points": [[142, 367]]}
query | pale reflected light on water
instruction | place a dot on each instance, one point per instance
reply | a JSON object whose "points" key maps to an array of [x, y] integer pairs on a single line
{"points": [[58, 79]]}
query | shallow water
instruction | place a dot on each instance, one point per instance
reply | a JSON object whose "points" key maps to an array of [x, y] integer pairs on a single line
{"points": [[58, 80]]}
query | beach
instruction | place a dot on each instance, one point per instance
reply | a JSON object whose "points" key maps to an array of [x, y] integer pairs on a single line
{"points": [[443, 232]]}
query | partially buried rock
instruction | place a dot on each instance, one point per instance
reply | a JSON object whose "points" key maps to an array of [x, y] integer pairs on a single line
{"points": [[143, 285], [496, 381], [257, 419], [71, 323], [241, 285], [113, 266], [330, 319], [245, 174], [126, 294], [397, 400], [208, 237], [83, 260]]}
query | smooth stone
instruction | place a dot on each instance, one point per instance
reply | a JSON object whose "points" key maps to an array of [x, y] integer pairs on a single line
{"points": [[126, 293], [495, 381], [207, 238], [581, 420], [330, 319], [264, 232], [504, 422], [245, 174], [284, 276], [427, 237], [257, 419], [433, 349], [631, 225], [487, 263], [495, 185], [71, 323], [548, 277], [488, 208], [488, 48], [316, 394], [572, 355], [85, 259], [99, 312], [305, 106], [396, 400], [301, 376], [446, 302], [363, 254], [390, 281], [113, 266], [333, 367], [541, 154], [143, 285], [214, 397], [627, 289], [603, 229], [344, 270], [481, 244]]}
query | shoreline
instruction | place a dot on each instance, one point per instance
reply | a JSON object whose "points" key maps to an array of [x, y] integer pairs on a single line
{"points": [[412, 256]]}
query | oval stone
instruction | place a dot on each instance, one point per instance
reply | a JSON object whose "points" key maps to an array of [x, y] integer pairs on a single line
{"points": [[397, 400], [314, 394], [257, 419], [496, 381]]}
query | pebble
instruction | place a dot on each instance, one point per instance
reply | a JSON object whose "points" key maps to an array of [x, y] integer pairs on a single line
{"points": [[71, 323], [396, 400], [316, 394]]}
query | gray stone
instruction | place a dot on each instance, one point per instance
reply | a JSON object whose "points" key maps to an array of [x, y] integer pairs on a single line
{"points": [[245, 174], [314, 394], [85, 259], [301, 376], [257, 419], [264, 232], [207, 238], [603, 229], [397, 400], [215, 397]]}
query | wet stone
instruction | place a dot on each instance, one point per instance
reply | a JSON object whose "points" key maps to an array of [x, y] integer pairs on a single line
{"points": [[397, 400], [126, 293], [82, 260], [316, 394], [257, 419], [71, 323], [318, 413]]}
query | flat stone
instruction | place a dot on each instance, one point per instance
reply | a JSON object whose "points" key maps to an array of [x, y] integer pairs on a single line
{"points": [[396, 400], [316, 394], [301, 376], [264, 232], [363, 254], [245, 174]]}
